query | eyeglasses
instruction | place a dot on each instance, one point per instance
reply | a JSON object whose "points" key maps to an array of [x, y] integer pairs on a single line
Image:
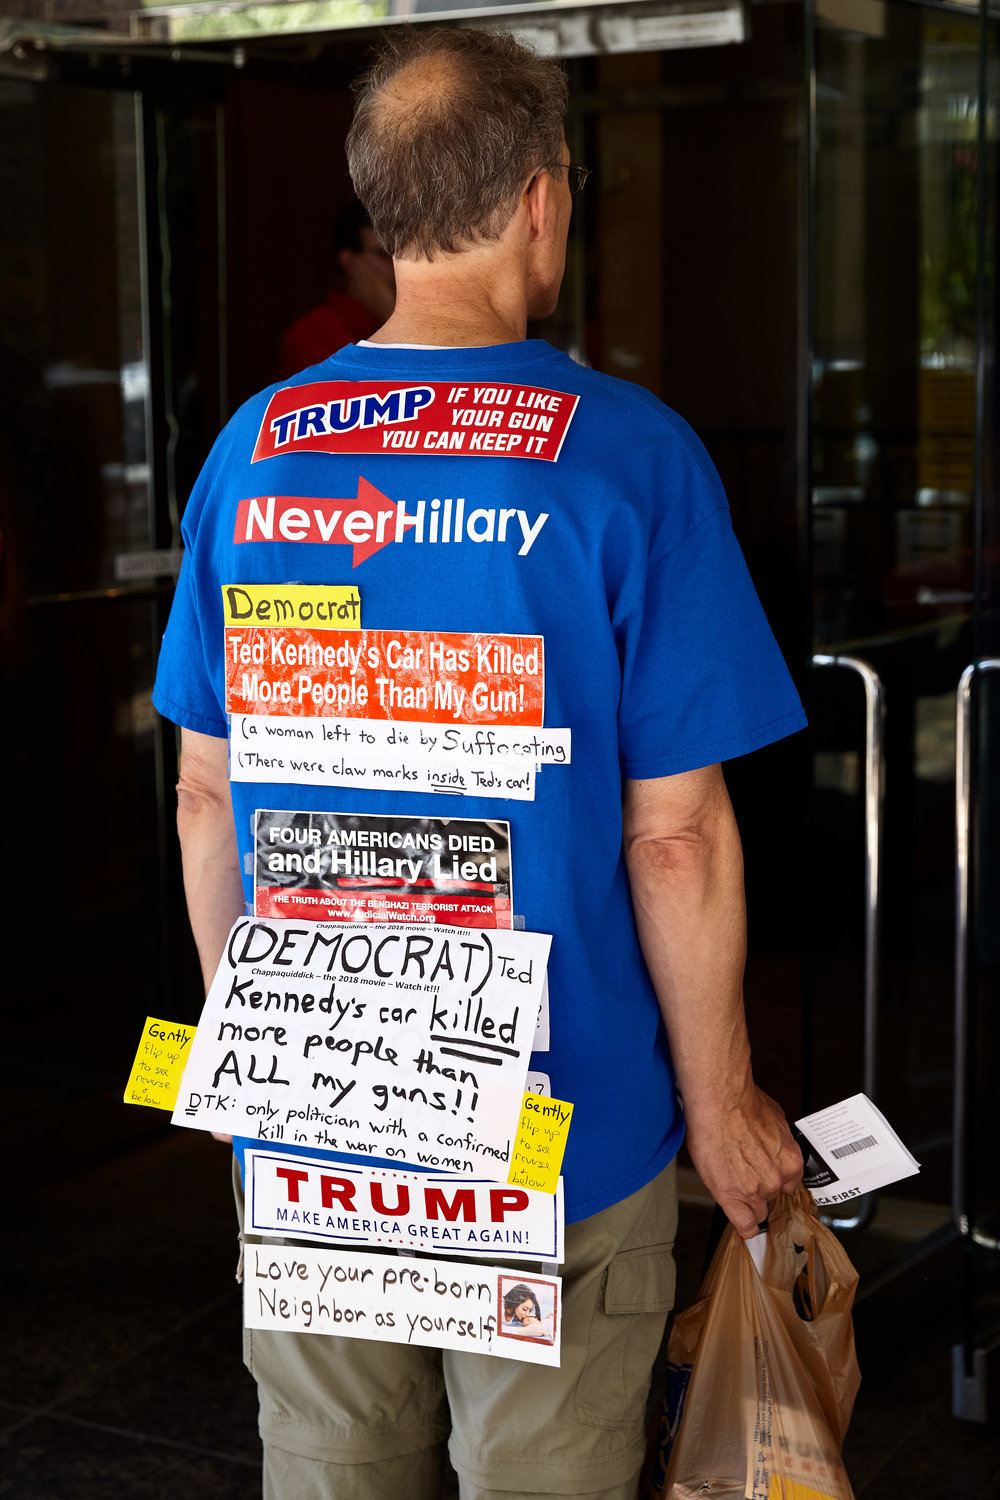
{"points": [[576, 175], [577, 178]]}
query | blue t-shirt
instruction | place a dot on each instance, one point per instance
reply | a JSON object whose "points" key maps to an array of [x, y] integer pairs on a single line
{"points": [[614, 544]]}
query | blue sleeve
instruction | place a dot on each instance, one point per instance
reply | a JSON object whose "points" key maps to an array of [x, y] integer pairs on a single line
{"points": [[186, 690], [703, 679]]}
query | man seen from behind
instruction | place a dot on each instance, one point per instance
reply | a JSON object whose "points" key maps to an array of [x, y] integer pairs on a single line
{"points": [[539, 499]]}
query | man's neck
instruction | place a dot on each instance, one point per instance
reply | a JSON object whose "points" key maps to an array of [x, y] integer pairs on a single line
{"points": [[460, 301]]}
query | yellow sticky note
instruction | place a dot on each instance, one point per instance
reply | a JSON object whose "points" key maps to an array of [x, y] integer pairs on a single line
{"points": [[319, 606], [155, 1079], [536, 1159]]}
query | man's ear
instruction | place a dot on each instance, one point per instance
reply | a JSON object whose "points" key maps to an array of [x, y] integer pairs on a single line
{"points": [[538, 201]]}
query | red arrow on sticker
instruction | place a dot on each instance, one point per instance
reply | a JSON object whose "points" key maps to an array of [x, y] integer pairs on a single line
{"points": [[367, 522]]}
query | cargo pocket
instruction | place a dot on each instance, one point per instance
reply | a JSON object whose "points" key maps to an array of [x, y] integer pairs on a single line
{"points": [[635, 1295]]}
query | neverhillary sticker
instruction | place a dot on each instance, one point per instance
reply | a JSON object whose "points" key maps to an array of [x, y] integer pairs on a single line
{"points": [[370, 521], [430, 676], [479, 421], [314, 1199], [362, 867]]}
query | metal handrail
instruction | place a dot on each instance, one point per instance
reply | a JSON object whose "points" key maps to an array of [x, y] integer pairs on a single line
{"points": [[963, 817], [874, 794]]}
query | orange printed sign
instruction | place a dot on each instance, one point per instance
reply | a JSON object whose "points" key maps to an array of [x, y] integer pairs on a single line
{"points": [[416, 675]]}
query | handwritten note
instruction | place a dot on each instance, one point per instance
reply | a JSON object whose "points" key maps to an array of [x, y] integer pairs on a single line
{"points": [[156, 1072], [399, 1042], [540, 1143], [478, 761], [479, 745], [319, 606], [439, 1304]]}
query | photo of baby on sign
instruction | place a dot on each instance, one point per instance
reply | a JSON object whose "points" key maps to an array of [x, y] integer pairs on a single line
{"points": [[526, 1309]]}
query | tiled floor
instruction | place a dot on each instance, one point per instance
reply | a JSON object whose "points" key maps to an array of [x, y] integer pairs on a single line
{"points": [[122, 1378], [903, 1440]]}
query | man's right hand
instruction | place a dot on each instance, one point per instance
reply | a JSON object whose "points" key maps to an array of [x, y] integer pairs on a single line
{"points": [[745, 1155]]}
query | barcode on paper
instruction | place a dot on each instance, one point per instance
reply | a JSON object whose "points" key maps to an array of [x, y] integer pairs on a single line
{"points": [[865, 1143]]}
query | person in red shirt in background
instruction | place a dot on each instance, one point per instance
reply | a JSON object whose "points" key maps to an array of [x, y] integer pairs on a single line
{"points": [[361, 299]]}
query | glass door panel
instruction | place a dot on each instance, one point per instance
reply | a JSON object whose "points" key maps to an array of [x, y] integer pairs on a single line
{"points": [[897, 508], [83, 586]]}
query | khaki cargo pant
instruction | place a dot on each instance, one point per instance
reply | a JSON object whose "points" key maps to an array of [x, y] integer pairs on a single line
{"points": [[349, 1419]]}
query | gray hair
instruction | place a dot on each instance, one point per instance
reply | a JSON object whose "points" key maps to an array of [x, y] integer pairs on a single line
{"points": [[448, 128]]}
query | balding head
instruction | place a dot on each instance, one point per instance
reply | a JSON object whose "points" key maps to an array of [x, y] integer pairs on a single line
{"points": [[449, 127]]}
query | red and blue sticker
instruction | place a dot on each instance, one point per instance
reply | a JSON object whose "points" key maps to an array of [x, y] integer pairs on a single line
{"points": [[476, 421]]}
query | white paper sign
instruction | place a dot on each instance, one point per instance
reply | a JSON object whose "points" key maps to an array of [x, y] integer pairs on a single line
{"points": [[400, 1042], [438, 1304], [308, 1198], [542, 1032], [853, 1150], [336, 752], [472, 744]]}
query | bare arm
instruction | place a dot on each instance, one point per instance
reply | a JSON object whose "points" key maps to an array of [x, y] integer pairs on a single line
{"points": [[208, 848], [685, 865]]}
